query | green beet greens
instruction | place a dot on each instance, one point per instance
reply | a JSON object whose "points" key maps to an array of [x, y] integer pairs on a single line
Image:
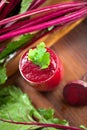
{"points": [[15, 45], [3, 76], [25, 5], [16, 106], [18, 113]]}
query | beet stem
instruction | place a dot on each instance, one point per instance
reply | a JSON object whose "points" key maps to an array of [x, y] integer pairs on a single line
{"points": [[62, 20], [39, 19], [42, 125], [8, 8], [40, 10], [35, 4]]}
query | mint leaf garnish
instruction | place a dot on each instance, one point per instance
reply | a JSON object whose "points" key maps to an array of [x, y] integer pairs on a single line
{"points": [[40, 56]]}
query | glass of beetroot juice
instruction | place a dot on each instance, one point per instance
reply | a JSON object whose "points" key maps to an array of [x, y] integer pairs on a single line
{"points": [[46, 78]]}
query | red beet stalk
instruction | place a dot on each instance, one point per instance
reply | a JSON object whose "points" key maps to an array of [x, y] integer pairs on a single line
{"points": [[61, 20], [45, 9], [39, 19], [8, 8], [35, 4], [2, 4], [43, 125]]}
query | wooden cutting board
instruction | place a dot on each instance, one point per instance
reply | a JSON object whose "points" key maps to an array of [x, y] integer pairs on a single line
{"points": [[72, 50]]}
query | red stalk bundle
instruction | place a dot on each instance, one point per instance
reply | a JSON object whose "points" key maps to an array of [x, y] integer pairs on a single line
{"points": [[34, 21], [54, 15]]}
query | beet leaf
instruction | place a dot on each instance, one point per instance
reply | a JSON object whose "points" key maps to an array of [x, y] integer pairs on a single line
{"points": [[25, 5], [16, 106], [3, 76], [15, 45]]}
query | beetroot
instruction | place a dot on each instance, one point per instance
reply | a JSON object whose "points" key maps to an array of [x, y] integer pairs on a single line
{"points": [[75, 93]]}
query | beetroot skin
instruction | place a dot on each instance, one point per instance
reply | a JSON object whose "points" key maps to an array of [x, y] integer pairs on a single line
{"points": [[75, 93]]}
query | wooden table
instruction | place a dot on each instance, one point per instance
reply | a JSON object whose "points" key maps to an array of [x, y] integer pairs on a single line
{"points": [[72, 50]]}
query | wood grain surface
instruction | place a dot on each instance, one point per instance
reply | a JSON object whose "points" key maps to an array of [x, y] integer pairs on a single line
{"points": [[72, 50]]}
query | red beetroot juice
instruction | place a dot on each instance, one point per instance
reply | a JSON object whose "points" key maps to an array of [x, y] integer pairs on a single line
{"points": [[42, 79]]}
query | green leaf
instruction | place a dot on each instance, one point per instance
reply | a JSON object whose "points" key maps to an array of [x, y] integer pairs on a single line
{"points": [[40, 56], [25, 5], [50, 28], [16, 106], [47, 114], [3, 76], [14, 45], [83, 127], [45, 60], [8, 126]]}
